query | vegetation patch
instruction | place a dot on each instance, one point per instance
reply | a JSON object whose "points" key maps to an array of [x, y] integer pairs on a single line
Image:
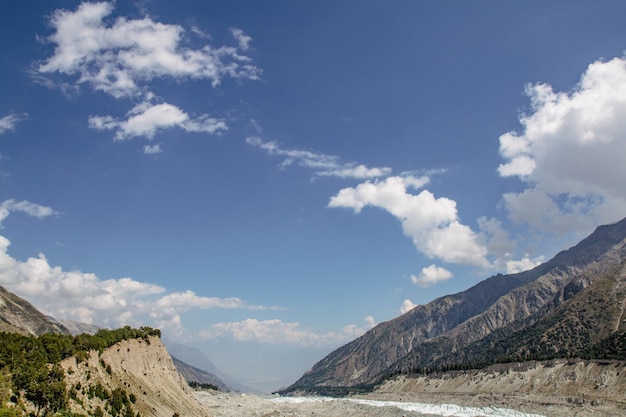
{"points": [[30, 372]]}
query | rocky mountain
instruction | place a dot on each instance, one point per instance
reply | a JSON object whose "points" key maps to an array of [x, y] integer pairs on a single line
{"points": [[571, 306], [199, 376], [18, 315], [192, 357]]}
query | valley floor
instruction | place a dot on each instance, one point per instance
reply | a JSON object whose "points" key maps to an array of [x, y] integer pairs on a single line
{"points": [[558, 388], [387, 405]]}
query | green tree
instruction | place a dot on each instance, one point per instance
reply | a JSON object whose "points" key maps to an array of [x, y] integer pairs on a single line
{"points": [[46, 389]]}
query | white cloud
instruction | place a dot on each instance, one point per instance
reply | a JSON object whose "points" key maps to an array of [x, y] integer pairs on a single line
{"points": [[146, 119], [84, 297], [431, 275], [35, 210], [570, 153], [188, 299], [118, 56], [323, 164], [152, 149], [243, 39], [8, 122], [521, 265], [432, 223], [407, 306], [276, 331]]}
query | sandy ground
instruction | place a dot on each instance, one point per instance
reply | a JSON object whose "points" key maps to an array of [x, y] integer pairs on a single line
{"points": [[240, 405]]}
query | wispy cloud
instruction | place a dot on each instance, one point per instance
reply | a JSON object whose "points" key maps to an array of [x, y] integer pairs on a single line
{"points": [[8, 122], [570, 153], [323, 164], [277, 331], [32, 209], [152, 149], [121, 57]]}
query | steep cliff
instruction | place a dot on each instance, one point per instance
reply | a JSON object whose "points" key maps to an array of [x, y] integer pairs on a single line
{"points": [[143, 369], [502, 314]]}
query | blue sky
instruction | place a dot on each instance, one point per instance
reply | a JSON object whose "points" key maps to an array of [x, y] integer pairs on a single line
{"points": [[268, 180]]}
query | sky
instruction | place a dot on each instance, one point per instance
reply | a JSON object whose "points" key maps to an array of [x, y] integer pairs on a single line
{"points": [[266, 181]]}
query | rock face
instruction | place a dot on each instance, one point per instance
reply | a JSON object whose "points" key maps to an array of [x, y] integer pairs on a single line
{"points": [[142, 368], [566, 307], [18, 315]]}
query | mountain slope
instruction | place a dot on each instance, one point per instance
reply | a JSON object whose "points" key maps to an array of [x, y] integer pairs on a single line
{"points": [[510, 311], [133, 374], [192, 374], [143, 369], [197, 359], [18, 315]]}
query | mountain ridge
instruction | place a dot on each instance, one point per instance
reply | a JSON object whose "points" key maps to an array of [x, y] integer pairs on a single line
{"points": [[439, 332], [20, 316]]}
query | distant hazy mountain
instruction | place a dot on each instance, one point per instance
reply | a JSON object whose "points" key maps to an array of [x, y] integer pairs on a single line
{"points": [[195, 358], [571, 306], [18, 315], [76, 327], [192, 374]]}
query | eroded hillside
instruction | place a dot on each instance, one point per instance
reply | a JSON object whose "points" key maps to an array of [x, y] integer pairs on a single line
{"points": [[583, 388], [143, 369]]}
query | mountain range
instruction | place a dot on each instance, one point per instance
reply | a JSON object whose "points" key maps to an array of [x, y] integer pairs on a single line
{"points": [[569, 307]]}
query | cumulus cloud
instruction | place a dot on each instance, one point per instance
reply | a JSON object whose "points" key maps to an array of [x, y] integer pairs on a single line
{"points": [[432, 223], [32, 209], [431, 275], [323, 164], [118, 56], [8, 122], [146, 119], [276, 331], [84, 297], [407, 306], [570, 153]]}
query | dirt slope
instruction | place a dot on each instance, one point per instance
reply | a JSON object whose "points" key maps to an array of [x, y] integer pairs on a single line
{"points": [[142, 368], [554, 388]]}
